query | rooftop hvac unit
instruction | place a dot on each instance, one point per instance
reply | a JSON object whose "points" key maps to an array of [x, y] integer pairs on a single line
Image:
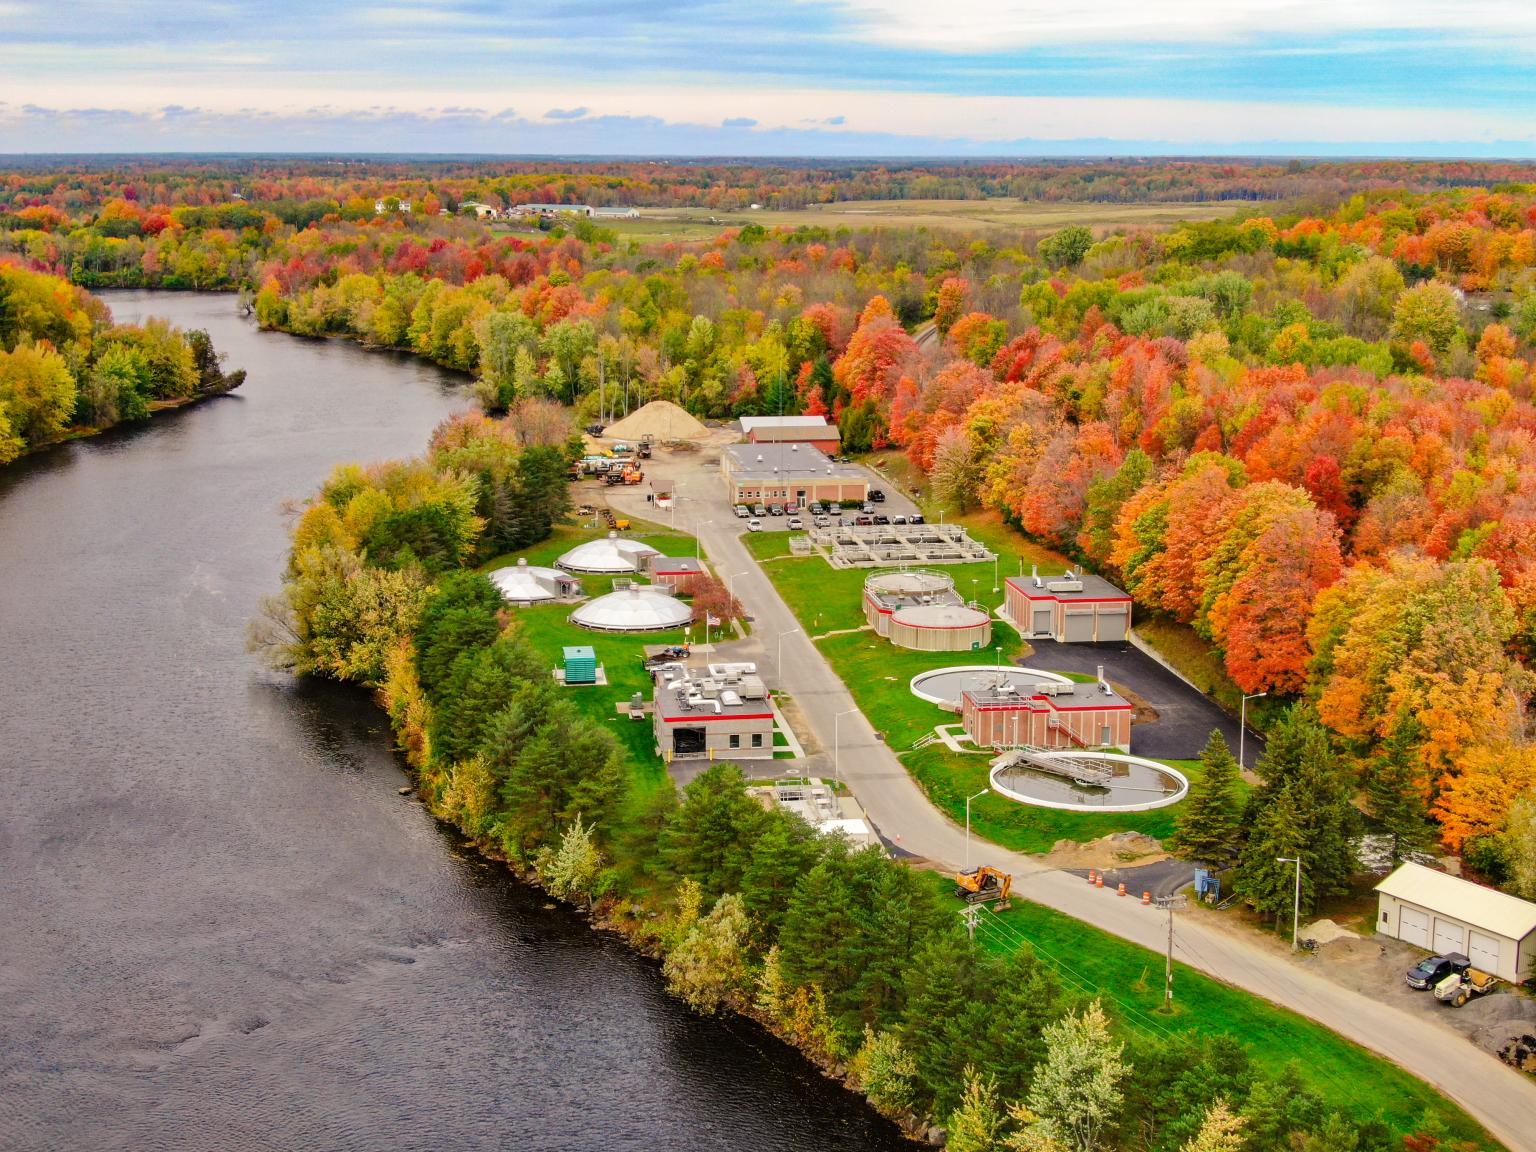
{"points": [[794, 447], [759, 457], [694, 700], [1064, 586], [729, 697], [752, 688]]}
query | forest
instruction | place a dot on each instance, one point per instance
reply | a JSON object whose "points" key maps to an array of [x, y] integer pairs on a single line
{"points": [[1304, 431], [67, 369]]}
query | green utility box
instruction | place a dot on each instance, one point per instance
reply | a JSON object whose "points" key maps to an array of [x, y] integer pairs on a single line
{"points": [[580, 665]]}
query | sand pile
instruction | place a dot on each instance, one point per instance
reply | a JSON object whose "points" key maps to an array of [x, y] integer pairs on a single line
{"points": [[660, 418], [1117, 850]]}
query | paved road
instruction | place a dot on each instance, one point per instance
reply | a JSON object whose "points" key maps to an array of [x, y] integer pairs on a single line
{"points": [[1185, 717], [1500, 1098]]}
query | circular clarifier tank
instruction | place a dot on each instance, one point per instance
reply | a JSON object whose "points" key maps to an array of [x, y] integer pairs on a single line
{"points": [[1087, 781], [945, 686]]}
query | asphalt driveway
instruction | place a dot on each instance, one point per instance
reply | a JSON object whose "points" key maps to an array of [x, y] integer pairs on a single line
{"points": [[1185, 716]]}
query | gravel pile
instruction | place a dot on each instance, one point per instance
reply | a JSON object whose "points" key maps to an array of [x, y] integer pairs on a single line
{"points": [[660, 419]]}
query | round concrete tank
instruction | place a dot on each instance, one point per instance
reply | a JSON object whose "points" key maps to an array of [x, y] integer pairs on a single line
{"points": [[940, 628]]}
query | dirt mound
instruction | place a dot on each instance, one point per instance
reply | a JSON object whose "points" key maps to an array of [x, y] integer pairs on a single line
{"points": [[661, 419], [1117, 850], [1325, 931], [1500, 1007]]}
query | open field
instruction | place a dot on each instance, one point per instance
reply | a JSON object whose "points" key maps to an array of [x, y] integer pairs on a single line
{"points": [[1000, 215], [973, 216], [1130, 979]]}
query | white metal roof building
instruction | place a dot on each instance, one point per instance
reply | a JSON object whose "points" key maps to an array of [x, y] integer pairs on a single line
{"points": [[639, 608], [1444, 913], [750, 424], [524, 583], [610, 554]]}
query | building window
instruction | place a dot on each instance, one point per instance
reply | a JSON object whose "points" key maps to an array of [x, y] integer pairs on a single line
{"points": [[757, 739], [735, 741]]}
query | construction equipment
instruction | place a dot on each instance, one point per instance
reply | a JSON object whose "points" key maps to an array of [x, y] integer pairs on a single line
{"points": [[1459, 987], [644, 449], [983, 885]]}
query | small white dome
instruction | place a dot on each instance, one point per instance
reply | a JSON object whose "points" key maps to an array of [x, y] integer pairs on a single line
{"points": [[524, 583], [637, 609]]}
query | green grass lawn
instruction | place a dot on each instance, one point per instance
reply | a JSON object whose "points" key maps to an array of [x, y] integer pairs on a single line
{"points": [[1130, 980]]}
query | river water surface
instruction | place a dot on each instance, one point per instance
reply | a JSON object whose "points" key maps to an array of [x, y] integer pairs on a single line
{"points": [[220, 927]]}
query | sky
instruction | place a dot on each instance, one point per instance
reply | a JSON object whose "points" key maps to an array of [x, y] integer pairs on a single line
{"points": [[773, 77]]}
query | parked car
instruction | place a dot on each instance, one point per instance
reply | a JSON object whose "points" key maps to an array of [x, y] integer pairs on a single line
{"points": [[1432, 969], [823, 521], [759, 510], [817, 509], [833, 507], [845, 522], [877, 495], [868, 509], [881, 518], [754, 525], [915, 518], [775, 509], [898, 519], [795, 524], [863, 520], [742, 512]]}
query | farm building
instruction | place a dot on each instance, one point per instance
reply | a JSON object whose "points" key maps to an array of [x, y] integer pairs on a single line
{"points": [[639, 608], [523, 583], [717, 713], [1071, 608], [920, 609], [811, 430], [610, 554], [679, 573], [1444, 913], [1047, 715], [788, 474]]}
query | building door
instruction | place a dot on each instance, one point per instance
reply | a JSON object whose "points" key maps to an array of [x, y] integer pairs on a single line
{"points": [[1042, 620], [1413, 926], [1078, 626], [1449, 936], [1112, 618], [688, 741], [1484, 951]]}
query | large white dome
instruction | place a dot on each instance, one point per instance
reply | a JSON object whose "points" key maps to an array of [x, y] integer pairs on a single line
{"points": [[637, 609], [611, 554]]}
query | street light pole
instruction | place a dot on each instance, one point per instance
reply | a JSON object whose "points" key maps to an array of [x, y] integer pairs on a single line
{"points": [[778, 661], [1242, 727], [1295, 907], [968, 800], [837, 743]]}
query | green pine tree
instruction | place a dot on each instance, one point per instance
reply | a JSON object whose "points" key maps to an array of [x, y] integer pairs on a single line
{"points": [[1392, 790], [1209, 824]]}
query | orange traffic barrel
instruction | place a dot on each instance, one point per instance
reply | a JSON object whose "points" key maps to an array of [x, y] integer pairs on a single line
{"points": [[1122, 889], [1146, 897]]}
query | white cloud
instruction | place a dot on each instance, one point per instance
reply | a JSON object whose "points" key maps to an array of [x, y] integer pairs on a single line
{"points": [[980, 26]]}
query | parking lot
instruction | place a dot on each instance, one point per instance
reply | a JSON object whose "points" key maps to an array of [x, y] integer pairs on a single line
{"points": [[893, 505]]}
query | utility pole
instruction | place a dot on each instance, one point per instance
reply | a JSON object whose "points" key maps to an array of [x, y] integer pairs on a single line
{"points": [[971, 913], [1170, 903]]}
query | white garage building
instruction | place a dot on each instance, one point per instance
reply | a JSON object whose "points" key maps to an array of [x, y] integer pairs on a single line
{"points": [[1444, 913]]}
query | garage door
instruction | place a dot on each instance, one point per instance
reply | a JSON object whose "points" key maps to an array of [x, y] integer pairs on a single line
{"points": [[1484, 952], [1079, 626], [1413, 926], [1042, 624], [1112, 623], [1449, 936]]}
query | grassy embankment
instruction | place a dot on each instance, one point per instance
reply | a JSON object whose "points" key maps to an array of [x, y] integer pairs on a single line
{"points": [[1347, 1076], [828, 600]]}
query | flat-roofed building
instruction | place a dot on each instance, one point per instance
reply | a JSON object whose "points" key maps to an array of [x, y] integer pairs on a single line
{"points": [[717, 713], [1073, 608], [680, 573], [812, 430], [1047, 715], [789, 474]]}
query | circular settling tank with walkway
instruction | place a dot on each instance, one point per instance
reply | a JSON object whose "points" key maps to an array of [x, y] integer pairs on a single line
{"points": [[944, 686], [1087, 781]]}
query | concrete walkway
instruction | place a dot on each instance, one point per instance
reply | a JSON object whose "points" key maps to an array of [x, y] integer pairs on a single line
{"points": [[1498, 1097]]}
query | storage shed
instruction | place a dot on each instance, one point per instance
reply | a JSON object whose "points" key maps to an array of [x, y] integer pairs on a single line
{"points": [[1443, 913], [1073, 608]]}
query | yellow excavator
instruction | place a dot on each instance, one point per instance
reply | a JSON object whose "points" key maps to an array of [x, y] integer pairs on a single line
{"points": [[983, 885]]}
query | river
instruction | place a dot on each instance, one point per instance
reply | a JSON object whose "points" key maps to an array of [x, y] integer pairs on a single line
{"points": [[220, 926]]}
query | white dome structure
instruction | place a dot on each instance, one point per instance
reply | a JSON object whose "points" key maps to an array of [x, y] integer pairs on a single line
{"points": [[523, 583], [639, 608], [610, 554]]}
